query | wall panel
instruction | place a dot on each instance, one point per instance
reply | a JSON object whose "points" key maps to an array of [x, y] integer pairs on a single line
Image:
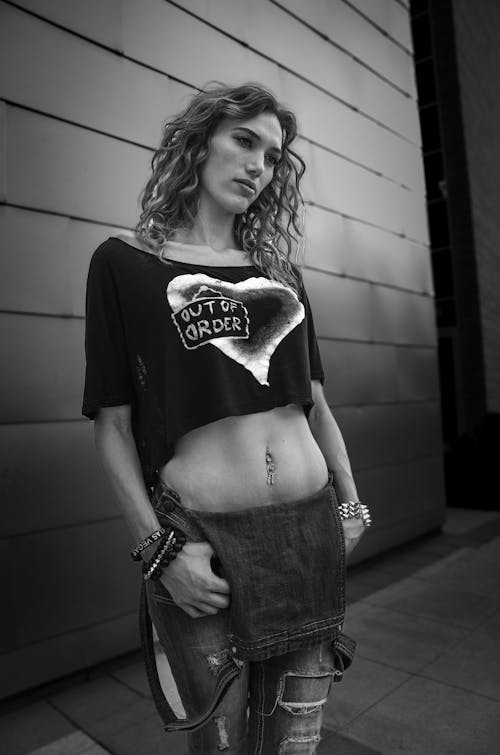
{"points": [[352, 309], [62, 168], [358, 373], [341, 307], [414, 481], [101, 20], [348, 133], [52, 478], [390, 16], [402, 317], [344, 246], [44, 379], [148, 37], [74, 79], [344, 27], [389, 433], [360, 194], [409, 498], [45, 259], [385, 258], [3, 151], [417, 374], [372, 373], [328, 68], [84, 591], [40, 662]]}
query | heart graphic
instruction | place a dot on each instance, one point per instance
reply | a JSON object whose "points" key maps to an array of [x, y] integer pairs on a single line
{"points": [[246, 321]]}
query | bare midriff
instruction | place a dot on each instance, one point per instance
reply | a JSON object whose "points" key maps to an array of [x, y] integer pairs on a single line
{"points": [[246, 461]]}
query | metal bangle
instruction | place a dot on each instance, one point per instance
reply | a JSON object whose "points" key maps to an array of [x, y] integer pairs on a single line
{"points": [[155, 564], [166, 552], [355, 510]]}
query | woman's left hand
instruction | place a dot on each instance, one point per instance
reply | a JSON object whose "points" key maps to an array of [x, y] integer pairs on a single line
{"points": [[353, 531]]}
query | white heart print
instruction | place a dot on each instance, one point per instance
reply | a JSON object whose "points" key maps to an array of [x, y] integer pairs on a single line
{"points": [[207, 310]]}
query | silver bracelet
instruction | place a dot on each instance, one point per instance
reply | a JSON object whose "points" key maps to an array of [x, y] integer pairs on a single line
{"points": [[355, 510]]}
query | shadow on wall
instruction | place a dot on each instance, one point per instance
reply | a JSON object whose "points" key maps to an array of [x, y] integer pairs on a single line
{"points": [[472, 464]]}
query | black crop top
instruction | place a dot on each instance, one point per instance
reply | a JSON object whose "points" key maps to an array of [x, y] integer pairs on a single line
{"points": [[187, 344]]}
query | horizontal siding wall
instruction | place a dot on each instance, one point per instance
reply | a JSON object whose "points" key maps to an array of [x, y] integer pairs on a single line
{"points": [[79, 120]]}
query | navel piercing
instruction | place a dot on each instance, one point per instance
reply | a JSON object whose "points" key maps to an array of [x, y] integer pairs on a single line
{"points": [[271, 468]]}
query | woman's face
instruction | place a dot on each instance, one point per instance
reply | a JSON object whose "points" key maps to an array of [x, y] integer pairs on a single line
{"points": [[241, 161]]}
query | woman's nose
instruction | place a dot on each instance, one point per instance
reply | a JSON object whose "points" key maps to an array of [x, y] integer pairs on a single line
{"points": [[256, 166]]}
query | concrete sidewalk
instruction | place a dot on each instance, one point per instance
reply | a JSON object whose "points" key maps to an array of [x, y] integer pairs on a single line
{"points": [[426, 679]]}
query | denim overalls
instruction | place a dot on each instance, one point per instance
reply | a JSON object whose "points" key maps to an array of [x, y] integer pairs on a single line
{"points": [[285, 564]]}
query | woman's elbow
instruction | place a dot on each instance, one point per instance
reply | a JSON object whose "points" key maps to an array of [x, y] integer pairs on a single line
{"points": [[112, 418]]}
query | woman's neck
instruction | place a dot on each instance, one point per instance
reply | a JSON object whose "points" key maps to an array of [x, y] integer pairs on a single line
{"points": [[211, 229]]}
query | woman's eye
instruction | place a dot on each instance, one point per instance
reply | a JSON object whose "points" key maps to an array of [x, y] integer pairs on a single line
{"points": [[244, 141], [272, 159]]}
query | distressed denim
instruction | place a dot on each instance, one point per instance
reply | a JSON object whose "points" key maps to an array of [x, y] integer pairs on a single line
{"points": [[254, 678]]}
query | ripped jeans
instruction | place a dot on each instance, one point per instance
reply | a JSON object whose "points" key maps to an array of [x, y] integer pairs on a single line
{"points": [[226, 704]]}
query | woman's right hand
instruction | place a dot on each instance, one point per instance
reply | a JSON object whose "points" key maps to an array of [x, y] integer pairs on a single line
{"points": [[192, 584]]}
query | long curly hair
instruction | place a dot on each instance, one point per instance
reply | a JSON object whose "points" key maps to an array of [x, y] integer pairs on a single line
{"points": [[271, 229]]}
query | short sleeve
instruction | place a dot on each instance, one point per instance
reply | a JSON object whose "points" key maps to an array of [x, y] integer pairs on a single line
{"points": [[316, 366], [107, 374]]}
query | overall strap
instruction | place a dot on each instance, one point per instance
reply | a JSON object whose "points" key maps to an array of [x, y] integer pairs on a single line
{"points": [[226, 675]]}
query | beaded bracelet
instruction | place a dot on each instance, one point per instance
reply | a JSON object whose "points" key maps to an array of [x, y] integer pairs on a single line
{"points": [[152, 538], [355, 510], [165, 553]]}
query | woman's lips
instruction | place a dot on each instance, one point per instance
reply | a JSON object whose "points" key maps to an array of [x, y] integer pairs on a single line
{"points": [[249, 191]]}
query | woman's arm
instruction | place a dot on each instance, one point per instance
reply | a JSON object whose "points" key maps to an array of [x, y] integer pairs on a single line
{"points": [[329, 438], [118, 454], [189, 579]]}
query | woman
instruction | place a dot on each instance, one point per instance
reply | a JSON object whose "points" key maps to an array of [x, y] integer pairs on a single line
{"points": [[205, 383]]}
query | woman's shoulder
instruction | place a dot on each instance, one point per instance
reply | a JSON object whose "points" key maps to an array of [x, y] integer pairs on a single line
{"points": [[117, 250]]}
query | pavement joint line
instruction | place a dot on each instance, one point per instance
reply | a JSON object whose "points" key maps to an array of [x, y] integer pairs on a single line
{"points": [[68, 740], [128, 686], [77, 726], [385, 664], [457, 686], [429, 618], [344, 727], [439, 653], [350, 738], [432, 618]]}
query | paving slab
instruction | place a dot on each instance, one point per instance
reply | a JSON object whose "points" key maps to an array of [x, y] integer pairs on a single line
{"points": [[459, 521], [103, 706], [32, 726], [405, 561], [425, 717], [357, 590], [449, 604], [364, 684], [468, 569], [375, 578], [360, 584], [491, 626], [145, 737], [408, 643], [334, 743], [133, 676], [473, 664], [76, 743], [439, 544], [492, 548]]}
